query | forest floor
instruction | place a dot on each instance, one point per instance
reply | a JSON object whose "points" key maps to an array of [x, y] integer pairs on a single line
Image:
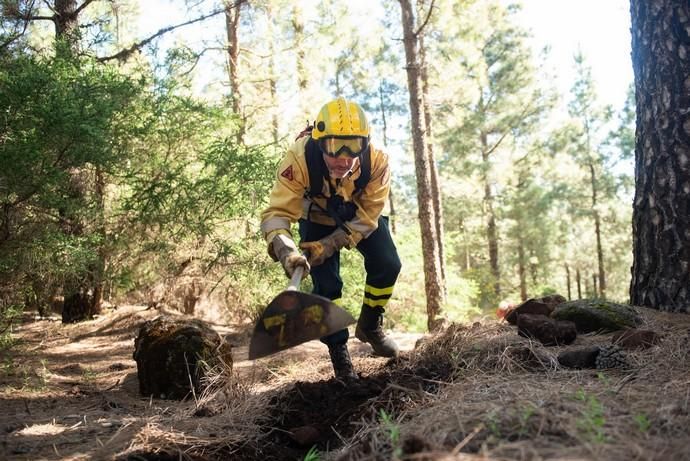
{"points": [[480, 391]]}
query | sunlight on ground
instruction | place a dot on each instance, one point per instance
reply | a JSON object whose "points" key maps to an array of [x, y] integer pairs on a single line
{"points": [[100, 343], [43, 429]]}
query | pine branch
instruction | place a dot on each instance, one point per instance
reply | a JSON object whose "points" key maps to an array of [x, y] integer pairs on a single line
{"points": [[426, 20], [82, 6], [127, 52]]}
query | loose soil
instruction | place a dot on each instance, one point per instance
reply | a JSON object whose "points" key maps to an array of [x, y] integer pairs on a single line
{"points": [[471, 392], [70, 392]]}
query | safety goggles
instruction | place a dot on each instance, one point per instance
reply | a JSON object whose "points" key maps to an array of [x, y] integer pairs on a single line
{"points": [[335, 147]]}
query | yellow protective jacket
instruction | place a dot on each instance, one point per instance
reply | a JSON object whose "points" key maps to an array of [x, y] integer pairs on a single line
{"points": [[288, 203]]}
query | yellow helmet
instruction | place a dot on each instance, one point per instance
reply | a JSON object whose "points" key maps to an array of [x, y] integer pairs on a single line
{"points": [[342, 119]]}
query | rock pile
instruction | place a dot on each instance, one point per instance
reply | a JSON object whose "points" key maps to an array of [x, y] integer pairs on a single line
{"points": [[553, 321]]}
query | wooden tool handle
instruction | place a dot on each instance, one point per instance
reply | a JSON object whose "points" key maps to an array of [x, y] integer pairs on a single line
{"points": [[296, 278]]}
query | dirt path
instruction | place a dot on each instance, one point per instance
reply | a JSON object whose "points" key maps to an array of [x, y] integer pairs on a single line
{"points": [[70, 392]]}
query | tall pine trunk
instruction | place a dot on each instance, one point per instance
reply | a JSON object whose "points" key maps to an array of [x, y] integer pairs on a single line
{"points": [[597, 232], [232, 26], [661, 217], [384, 123], [272, 79], [66, 25], [298, 28], [432, 261], [491, 231], [522, 270], [435, 188]]}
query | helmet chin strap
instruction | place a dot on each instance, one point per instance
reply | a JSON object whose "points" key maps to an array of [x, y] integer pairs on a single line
{"points": [[346, 174]]}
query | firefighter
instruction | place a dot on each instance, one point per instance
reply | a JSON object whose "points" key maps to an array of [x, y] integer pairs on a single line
{"points": [[334, 183]]}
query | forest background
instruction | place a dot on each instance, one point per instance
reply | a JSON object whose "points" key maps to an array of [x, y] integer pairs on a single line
{"points": [[134, 163]]}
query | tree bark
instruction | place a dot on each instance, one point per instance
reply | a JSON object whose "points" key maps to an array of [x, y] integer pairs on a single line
{"points": [[579, 283], [522, 269], [567, 280], [298, 27], [391, 201], [661, 217], [273, 84], [67, 24], [435, 189], [232, 25], [98, 271], [432, 267], [466, 244], [597, 232], [491, 231]]}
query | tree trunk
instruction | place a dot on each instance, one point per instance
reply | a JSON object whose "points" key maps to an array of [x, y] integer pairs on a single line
{"points": [[435, 189], [298, 27], [272, 79], [661, 240], [66, 25], [597, 231], [384, 133], [391, 204], [595, 291], [522, 269], [491, 232], [466, 242], [77, 305], [567, 280], [432, 263], [98, 271], [232, 25], [533, 269], [579, 283], [340, 67], [384, 120]]}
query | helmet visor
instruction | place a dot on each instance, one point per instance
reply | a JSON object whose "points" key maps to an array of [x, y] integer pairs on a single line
{"points": [[335, 147]]}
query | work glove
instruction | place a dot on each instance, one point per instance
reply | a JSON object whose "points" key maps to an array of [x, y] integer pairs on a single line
{"points": [[282, 248], [320, 250]]}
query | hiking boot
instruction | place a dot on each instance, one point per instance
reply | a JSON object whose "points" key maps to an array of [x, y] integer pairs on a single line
{"points": [[342, 365], [369, 330]]}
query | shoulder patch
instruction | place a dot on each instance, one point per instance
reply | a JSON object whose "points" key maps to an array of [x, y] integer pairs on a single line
{"points": [[287, 173]]}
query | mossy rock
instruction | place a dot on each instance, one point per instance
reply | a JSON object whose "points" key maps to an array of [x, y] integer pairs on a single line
{"points": [[597, 315], [174, 354]]}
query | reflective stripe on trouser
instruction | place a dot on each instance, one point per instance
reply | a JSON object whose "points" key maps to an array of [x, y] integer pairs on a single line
{"points": [[381, 263]]}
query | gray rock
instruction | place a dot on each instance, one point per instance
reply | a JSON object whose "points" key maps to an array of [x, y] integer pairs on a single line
{"points": [[597, 315]]}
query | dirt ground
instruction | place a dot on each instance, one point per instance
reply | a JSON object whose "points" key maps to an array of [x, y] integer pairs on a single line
{"points": [[470, 392], [70, 392]]}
